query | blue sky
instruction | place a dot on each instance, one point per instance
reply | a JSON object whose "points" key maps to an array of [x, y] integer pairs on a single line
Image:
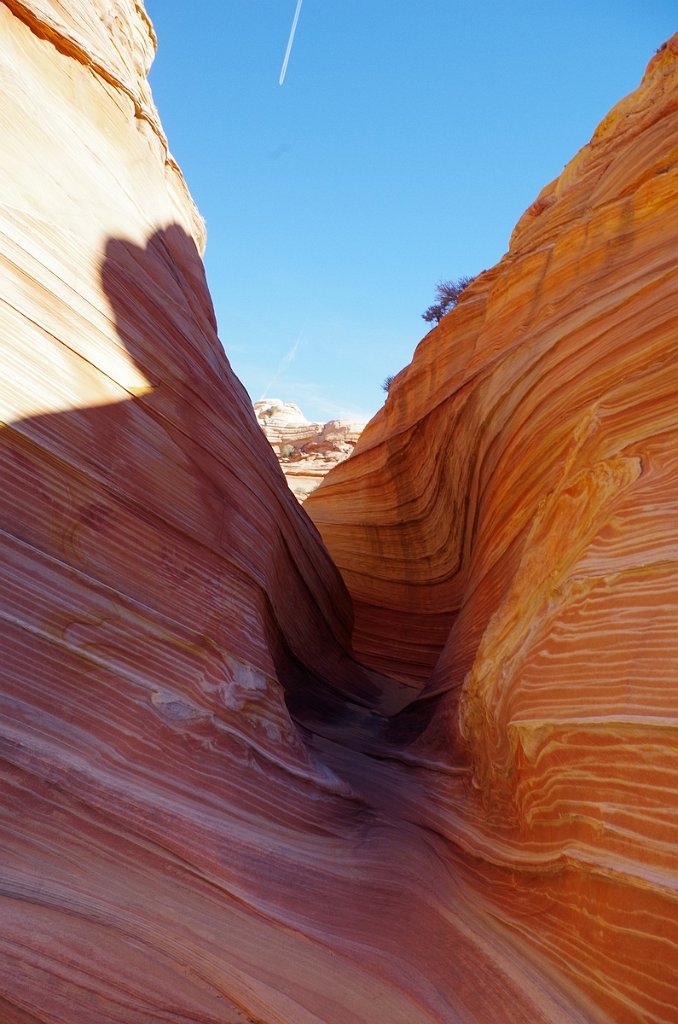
{"points": [[405, 143]]}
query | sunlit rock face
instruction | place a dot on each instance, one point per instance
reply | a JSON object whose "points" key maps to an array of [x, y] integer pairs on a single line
{"points": [[176, 847], [306, 451], [508, 527], [160, 583]]}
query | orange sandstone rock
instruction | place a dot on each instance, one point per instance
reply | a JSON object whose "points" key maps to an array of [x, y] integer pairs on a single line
{"points": [[174, 848], [508, 528]]}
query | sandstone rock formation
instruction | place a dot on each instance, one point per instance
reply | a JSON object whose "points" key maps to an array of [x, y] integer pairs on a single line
{"points": [[508, 529], [177, 846], [306, 451]]}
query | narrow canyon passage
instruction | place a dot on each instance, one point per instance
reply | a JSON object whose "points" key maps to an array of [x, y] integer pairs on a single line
{"points": [[406, 903], [219, 802]]}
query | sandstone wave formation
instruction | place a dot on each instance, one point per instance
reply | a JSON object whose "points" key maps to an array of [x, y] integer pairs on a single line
{"points": [[508, 528], [306, 451], [211, 809]]}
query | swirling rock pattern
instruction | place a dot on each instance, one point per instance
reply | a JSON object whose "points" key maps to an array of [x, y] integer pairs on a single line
{"points": [[159, 581], [508, 528], [174, 846]]}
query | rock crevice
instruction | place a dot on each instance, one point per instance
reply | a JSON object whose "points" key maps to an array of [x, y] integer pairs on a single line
{"points": [[221, 798]]}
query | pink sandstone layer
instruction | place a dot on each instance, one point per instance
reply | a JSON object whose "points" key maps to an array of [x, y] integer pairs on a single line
{"points": [[176, 845]]}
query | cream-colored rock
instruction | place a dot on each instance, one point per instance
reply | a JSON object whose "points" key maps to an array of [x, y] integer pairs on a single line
{"points": [[306, 451]]}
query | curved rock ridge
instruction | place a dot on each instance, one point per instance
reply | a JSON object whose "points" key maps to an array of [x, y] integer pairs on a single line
{"points": [[306, 451], [116, 41], [508, 528], [175, 848]]}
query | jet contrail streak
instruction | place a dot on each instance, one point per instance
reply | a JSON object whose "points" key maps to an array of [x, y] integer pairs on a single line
{"points": [[284, 363], [289, 43]]}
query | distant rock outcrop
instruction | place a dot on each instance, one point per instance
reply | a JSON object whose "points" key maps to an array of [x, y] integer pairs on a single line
{"points": [[306, 451]]}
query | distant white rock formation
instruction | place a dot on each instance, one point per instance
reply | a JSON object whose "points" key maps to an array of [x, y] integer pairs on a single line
{"points": [[306, 451]]}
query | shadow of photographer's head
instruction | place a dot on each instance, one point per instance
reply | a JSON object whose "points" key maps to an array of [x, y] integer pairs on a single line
{"points": [[161, 304]]}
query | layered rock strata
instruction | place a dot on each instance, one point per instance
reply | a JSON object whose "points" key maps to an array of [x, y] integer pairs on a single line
{"points": [[508, 528], [306, 451], [174, 847]]}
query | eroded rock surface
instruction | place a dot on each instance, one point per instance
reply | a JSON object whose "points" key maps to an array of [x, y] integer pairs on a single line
{"points": [[508, 527], [176, 846], [306, 451]]}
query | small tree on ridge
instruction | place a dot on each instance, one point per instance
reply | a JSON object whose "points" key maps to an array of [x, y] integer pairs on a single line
{"points": [[447, 294]]}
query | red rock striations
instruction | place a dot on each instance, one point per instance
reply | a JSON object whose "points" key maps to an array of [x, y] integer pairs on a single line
{"points": [[175, 847], [508, 528]]}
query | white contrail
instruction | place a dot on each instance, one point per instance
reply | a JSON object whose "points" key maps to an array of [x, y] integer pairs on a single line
{"points": [[289, 43], [284, 363]]}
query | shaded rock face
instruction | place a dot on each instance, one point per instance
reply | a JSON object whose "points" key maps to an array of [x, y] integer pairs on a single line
{"points": [[209, 809], [306, 451]]}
